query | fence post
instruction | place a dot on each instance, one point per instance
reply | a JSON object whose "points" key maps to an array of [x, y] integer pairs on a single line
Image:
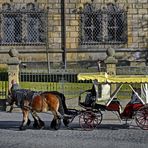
{"points": [[13, 67], [111, 62]]}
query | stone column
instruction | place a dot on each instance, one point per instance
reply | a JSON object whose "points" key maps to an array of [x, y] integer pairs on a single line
{"points": [[110, 63], [13, 67]]}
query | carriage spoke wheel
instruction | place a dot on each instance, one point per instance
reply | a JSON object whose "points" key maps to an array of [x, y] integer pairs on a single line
{"points": [[99, 116], [88, 120], [141, 118]]}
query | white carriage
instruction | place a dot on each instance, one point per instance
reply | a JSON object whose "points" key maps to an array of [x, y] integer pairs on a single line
{"points": [[92, 115]]}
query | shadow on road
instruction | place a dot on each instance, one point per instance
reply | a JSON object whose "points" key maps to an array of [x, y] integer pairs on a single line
{"points": [[14, 125], [101, 127]]}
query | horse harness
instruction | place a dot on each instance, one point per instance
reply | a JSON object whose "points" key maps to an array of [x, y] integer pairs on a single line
{"points": [[30, 96]]}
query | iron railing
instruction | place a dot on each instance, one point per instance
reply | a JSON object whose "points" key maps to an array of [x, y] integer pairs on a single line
{"points": [[3, 85], [60, 80]]}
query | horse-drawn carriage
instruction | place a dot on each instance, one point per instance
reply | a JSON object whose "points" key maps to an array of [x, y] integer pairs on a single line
{"points": [[102, 97]]}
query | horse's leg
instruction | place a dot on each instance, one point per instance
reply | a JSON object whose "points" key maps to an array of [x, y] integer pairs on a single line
{"points": [[35, 124], [11, 108], [63, 109], [38, 123], [56, 122], [26, 120]]}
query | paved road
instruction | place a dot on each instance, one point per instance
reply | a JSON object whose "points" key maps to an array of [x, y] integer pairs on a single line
{"points": [[110, 134]]}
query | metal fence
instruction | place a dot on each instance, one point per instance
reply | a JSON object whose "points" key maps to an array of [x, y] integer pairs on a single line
{"points": [[3, 84], [67, 83], [61, 80]]}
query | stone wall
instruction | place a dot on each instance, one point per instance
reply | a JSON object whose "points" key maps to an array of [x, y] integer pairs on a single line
{"points": [[137, 18], [137, 22]]}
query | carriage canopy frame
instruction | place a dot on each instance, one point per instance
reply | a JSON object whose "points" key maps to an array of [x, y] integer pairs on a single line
{"points": [[118, 79]]}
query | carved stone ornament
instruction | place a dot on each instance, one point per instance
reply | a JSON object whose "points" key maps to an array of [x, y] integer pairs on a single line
{"points": [[13, 60], [110, 59], [13, 53]]}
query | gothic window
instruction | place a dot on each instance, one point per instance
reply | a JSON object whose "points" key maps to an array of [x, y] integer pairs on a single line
{"points": [[32, 28], [22, 26], [11, 26], [103, 25], [91, 28], [116, 23], [35, 25]]}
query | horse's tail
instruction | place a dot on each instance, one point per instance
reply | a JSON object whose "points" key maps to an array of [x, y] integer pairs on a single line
{"points": [[63, 103], [61, 109]]}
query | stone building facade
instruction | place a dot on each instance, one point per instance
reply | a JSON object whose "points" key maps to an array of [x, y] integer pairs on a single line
{"points": [[91, 27]]}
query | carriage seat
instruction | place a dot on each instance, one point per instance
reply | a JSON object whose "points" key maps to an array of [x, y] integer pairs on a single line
{"points": [[114, 105], [89, 101], [137, 106]]}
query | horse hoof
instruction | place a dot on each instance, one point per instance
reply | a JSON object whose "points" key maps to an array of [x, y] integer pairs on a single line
{"points": [[28, 122], [40, 125], [35, 125], [53, 123], [57, 125], [22, 128]]}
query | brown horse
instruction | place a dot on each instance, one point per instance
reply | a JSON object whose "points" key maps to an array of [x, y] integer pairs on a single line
{"points": [[63, 110], [40, 102]]}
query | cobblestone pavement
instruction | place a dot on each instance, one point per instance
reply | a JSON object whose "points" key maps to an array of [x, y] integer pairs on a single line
{"points": [[110, 134]]}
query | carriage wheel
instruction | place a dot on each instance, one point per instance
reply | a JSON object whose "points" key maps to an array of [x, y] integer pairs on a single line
{"points": [[99, 116], [89, 120], [141, 118]]}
